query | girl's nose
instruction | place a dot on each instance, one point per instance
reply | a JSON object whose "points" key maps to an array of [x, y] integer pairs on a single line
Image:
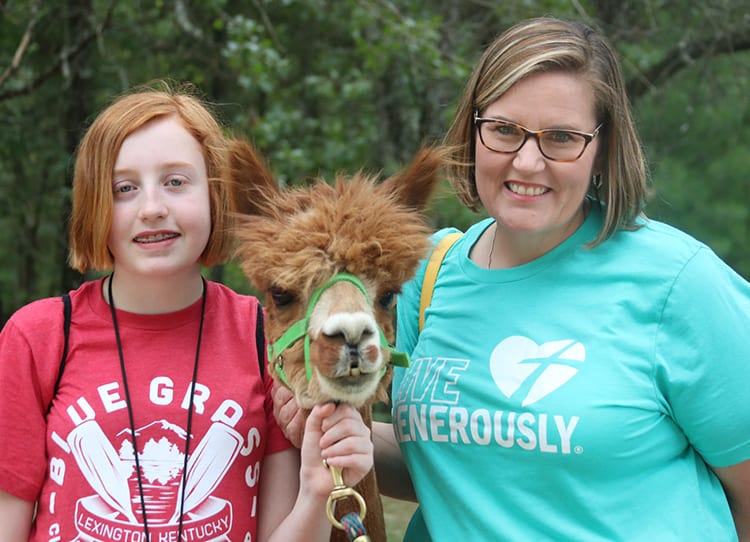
{"points": [[153, 205]]}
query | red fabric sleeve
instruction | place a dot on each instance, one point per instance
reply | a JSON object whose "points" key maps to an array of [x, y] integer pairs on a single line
{"points": [[31, 345]]}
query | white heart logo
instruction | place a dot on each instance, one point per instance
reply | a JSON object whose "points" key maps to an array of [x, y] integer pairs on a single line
{"points": [[517, 358]]}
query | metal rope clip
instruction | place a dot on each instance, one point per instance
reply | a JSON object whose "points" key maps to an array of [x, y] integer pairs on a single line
{"points": [[341, 491]]}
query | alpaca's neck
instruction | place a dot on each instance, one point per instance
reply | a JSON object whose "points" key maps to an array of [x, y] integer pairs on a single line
{"points": [[368, 487]]}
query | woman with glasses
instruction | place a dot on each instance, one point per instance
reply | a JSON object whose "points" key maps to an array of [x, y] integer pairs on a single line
{"points": [[582, 370]]}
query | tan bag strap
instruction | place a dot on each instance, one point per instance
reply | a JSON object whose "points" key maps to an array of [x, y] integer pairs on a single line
{"points": [[431, 272]]}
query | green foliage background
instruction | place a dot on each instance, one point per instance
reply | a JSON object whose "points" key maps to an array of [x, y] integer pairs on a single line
{"points": [[323, 86]]}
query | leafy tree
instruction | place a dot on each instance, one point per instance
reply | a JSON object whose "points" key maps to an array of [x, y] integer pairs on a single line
{"points": [[323, 86]]}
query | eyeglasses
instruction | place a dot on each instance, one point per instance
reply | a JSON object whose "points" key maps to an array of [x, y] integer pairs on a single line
{"points": [[555, 144]]}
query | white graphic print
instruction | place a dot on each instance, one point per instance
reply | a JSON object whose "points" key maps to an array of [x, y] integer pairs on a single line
{"points": [[116, 510], [518, 363]]}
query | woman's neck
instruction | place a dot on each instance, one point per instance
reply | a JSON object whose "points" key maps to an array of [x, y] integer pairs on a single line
{"points": [[153, 295], [507, 248]]}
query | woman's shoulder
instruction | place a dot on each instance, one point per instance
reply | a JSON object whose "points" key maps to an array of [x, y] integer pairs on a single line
{"points": [[475, 230], [661, 240], [669, 234], [444, 232], [669, 251]]}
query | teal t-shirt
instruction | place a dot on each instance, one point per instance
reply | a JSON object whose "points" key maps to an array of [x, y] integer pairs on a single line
{"points": [[579, 397]]}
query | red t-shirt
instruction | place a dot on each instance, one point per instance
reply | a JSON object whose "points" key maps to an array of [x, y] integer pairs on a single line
{"points": [[78, 463]]}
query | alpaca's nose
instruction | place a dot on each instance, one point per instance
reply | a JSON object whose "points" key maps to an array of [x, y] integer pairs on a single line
{"points": [[353, 353], [353, 329], [354, 357]]}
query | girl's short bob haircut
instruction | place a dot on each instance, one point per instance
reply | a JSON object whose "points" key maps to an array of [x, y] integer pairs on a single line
{"points": [[95, 161], [548, 44]]}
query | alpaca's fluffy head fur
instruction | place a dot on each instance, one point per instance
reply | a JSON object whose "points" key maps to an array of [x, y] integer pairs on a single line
{"points": [[293, 241]]}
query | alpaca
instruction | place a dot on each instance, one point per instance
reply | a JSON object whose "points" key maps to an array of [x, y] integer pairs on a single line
{"points": [[369, 238]]}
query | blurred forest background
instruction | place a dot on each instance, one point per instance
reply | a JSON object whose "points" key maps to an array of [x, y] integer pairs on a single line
{"points": [[322, 86]]}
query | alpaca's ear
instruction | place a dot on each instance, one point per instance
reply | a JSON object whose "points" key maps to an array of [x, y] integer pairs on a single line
{"points": [[415, 185], [253, 185]]}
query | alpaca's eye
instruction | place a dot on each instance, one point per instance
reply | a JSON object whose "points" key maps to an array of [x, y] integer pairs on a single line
{"points": [[387, 300], [281, 298]]}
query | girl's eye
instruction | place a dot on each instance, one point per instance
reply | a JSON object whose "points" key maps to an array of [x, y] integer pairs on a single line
{"points": [[175, 182], [123, 188]]}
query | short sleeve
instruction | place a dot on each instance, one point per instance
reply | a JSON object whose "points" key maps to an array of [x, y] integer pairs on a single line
{"points": [[703, 355], [30, 350]]}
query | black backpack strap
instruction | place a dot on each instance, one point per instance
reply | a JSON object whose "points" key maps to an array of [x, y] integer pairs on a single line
{"points": [[67, 309], [260, 340]]}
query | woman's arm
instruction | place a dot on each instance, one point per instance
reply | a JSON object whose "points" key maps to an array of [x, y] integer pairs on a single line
{"points": [[290, 417], [16, 516], [736, 482], [393, 476], [293, 493]]}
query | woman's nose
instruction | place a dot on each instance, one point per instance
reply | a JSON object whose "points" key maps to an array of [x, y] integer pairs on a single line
{"points": [[529, 157]]}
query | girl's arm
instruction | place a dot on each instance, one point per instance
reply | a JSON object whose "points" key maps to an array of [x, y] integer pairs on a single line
{"points": [[293, 493], [393, 476], [736, 482], [15, 517]]}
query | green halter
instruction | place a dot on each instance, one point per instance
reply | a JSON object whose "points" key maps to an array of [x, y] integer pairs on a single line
{"points": [[298, 330]]}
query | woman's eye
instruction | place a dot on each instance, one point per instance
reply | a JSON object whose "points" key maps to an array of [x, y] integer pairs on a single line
{"points": [[559, 137], [506, 130]]}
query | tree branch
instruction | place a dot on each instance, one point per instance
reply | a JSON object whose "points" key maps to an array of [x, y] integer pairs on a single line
{"points": [[21, 50], [685, 54], [66, 54]]}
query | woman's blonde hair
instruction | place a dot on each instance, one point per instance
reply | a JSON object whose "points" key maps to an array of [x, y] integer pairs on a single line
{"points": [[552, 45], [95, 161]]}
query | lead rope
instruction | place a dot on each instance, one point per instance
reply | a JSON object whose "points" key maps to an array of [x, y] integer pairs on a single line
{"points": [[354, 528], [351, 522]]}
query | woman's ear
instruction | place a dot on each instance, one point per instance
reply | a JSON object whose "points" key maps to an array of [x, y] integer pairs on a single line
{"points": [[596, 181]]}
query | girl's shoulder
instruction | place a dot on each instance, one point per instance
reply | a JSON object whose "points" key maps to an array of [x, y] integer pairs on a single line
{"points": [[38, 315], [47, 313], [232, 305], [230, 296]]}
